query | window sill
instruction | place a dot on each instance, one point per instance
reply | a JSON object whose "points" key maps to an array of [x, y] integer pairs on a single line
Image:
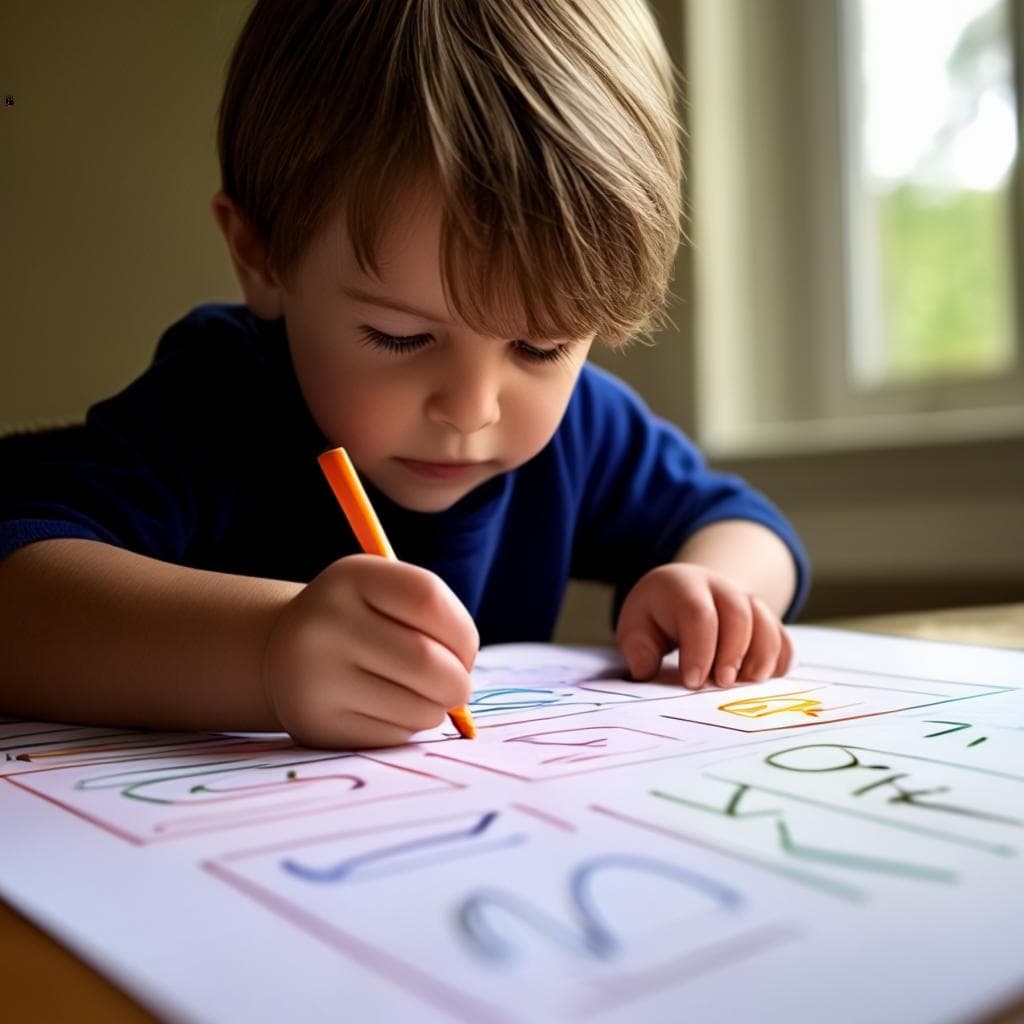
{"points": [[864, 434]]}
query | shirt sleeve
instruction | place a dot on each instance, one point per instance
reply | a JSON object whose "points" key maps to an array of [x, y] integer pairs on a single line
{"points": [[132, 474], [646, 488]]}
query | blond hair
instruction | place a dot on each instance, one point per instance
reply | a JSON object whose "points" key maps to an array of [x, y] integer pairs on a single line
{"points": [[548, 127]]}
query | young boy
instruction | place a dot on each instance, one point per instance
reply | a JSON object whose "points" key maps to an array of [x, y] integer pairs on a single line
{"points": [[434, 208]]}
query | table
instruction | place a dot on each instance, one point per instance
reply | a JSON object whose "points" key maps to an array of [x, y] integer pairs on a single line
{"points": [[42, 981], [1000, 625]]}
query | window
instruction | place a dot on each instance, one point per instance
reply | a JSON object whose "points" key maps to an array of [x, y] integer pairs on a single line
{"points": [[931, 142], [855, 197]]}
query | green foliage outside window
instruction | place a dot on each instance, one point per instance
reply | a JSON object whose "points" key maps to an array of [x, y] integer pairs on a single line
{"points": [[946, 282]]}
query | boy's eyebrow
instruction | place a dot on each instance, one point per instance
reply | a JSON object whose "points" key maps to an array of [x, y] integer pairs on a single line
{"points": [[386, 303]]}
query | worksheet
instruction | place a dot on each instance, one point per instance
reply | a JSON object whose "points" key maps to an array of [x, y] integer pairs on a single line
{"points": [[844, 843]]}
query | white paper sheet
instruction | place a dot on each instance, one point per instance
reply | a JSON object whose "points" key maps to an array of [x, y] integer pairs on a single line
{"points": [[844, 844]]}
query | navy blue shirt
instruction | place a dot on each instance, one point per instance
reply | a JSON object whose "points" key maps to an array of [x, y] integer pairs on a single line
{"points": [[209, 460]]}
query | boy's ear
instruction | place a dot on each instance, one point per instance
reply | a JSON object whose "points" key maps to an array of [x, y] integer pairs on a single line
{"points": [[250, 255]]}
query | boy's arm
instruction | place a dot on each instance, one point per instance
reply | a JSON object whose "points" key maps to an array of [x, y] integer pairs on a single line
{"points": [[367, 653], [90, 632], [720, 602], [752, 556]]}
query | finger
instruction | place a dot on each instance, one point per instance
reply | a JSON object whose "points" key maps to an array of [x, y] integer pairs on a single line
{"points": [[785, 658], [413, 660], [423, 601], [351, 730], [735, 629], [643, 645], [379, 698], [641, 638], [765, 644], [697, 637]]}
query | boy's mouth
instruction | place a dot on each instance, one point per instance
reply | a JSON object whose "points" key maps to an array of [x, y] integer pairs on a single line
{"points": [[441, 470]]}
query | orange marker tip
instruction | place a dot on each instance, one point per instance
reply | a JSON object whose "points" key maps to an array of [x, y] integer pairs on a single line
{"points": [[463, 721]]}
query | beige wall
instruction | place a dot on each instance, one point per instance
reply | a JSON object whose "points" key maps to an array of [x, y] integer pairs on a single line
{"points": [[107, 164]]}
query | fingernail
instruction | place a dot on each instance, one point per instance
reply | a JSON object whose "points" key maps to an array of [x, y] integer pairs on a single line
{"points": [[727, 675], [693, 678]]}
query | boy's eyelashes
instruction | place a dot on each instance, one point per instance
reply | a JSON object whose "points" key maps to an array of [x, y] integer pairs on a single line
{"points": [[406, 343], [394, 342]]}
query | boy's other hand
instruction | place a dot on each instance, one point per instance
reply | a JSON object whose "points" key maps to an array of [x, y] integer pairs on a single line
{"points": [[371, 651], [723, 633]]}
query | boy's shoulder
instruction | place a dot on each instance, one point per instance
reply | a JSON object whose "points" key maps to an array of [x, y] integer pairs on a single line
{"points": [[600, 383], [607, 423], [227, 362], [602, 399], [216, 329]]}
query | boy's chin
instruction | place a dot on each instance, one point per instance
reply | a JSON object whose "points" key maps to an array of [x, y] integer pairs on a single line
{"points": [[439, 500], [427, 498]]}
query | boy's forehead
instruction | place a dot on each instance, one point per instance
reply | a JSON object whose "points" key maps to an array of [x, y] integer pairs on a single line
{"points": [[405, 261], [407, 272], [408, 268], [406, 247]]}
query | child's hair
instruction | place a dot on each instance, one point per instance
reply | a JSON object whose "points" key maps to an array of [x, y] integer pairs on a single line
{"points": [[548, 127]]}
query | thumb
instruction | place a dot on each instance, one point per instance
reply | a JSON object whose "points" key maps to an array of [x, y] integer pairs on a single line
{"points": [[642, 642]]}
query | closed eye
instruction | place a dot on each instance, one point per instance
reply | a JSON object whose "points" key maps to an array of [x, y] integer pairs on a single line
{"points": [[540, 355], [405, 343], [397, 343]]}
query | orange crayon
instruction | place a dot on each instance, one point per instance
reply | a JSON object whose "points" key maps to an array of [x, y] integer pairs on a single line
{"points": [[355, 503]]}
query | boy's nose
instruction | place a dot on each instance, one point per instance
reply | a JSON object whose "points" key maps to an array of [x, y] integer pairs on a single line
{"points": [[465, 400]]}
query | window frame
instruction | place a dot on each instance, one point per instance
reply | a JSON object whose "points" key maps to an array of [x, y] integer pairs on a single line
{"points": [[771, 205]]}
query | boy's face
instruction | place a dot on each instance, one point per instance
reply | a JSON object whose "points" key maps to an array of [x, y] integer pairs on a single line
{"points": [[427, 408]]}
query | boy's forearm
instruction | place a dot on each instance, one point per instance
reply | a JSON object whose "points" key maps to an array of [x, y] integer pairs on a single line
{"points": [[93, 633], [750, 554]]}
